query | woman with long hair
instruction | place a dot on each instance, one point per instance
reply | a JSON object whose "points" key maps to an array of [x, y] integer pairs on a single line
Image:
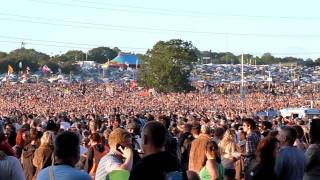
{"points": [[300, 142], [228, 148], [20, 143], [30, 138], [197, 155], [212, 168], [43, 155]]}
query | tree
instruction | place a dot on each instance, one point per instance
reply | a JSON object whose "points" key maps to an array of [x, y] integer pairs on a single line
{"points": [[317, 62], [267, 58], [102, 54], [309, 62], [167, 66], [74, 55], [2, 55], [29, 58]]}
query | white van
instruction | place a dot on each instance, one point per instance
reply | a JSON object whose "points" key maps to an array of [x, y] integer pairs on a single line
{"points": [[300, 112]]}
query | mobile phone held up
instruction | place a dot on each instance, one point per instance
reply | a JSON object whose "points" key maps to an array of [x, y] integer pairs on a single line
{"points": [[118, 148]]}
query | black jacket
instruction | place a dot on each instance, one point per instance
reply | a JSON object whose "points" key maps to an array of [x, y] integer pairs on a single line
{"points": [[155, 167]]}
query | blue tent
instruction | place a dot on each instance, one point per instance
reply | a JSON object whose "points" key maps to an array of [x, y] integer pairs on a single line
{"points": [[125, 58]]}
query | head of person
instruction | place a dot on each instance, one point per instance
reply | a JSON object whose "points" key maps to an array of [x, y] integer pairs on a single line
{"points": [[93, 126], [229, 137], [299, 130], [35, 135], [219, 132], [242, 136], [196, 128], [47, 138], [116, 123], [67, 148], [118, 137], [180, 126], [153, 137], [205, 129], [314, 131], [95, 138], [248, 125], [267, 149], [106, 133], [174, 130], [187, 127], [212, 151], [264, 125], [23, 137], [9, 128], [287, 136], [133, 128], [165, 120]]}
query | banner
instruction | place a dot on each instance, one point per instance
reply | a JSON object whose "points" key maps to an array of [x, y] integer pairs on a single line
{"points": [[10, 70]]}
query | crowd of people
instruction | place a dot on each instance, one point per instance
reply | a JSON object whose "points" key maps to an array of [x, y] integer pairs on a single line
{"points": [[109, 131]]}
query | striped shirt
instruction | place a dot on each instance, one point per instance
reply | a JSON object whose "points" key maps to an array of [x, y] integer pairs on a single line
{"points": [[109, 162]]}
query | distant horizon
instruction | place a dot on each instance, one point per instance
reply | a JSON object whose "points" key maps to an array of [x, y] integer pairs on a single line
{"points": [[61, 53]]}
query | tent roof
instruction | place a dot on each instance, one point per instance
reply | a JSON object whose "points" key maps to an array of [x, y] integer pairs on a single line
{"points": [[125, 58]]}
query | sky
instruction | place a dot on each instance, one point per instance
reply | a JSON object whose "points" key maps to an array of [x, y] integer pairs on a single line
{"points": [[280, 27]]}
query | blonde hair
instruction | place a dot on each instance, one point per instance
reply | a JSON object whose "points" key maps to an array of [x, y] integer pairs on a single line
{"points": [[228, 140], [47, 138], [118, 136]]}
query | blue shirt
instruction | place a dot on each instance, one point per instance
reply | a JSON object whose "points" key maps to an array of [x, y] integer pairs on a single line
{"points": [[290, 163], [63, 172]]}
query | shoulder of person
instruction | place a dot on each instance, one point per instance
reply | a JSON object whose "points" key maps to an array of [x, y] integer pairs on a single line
{"points": [[314, 147], [83, 175]]}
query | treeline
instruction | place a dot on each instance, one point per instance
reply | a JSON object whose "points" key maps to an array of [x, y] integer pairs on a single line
{"points": [[265, 59], [66, 62]]}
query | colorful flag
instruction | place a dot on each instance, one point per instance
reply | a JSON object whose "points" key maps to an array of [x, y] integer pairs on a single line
{"points": [[45, 69], [133, 85], [106, 65], [66, 91], [10, 70]]}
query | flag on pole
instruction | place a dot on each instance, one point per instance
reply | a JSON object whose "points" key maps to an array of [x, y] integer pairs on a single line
{"points": [[10, 70], [106, 65], [137, 63], [27, 70], [46, 69]]}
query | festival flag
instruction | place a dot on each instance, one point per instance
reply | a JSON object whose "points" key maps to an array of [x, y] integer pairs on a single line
{"points": [[10, 70], [27, 70], [133, 84], [106, 65], [46, 69], [66, 91]]}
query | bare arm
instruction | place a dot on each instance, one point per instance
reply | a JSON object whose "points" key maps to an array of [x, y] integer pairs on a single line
{"points": [[212, 168], [128, 154]]}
